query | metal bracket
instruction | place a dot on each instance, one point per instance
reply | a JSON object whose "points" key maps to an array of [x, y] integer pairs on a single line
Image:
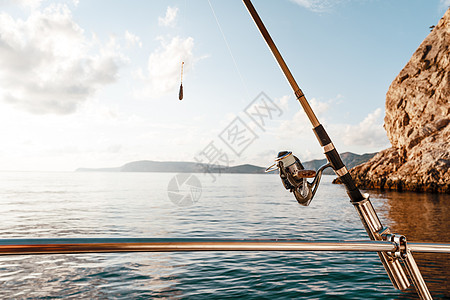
{"points": [[384, 231], [400, 243], [376, 232], [404, 253]]}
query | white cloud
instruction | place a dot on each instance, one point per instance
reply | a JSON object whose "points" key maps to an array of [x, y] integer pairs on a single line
{"points": [[367, 136], [444, 3], [300, 123], [283, 102], [31, 4], [169, 19], [132, 39], [318, 5], [369, 133], [296, 133], [164, 66], [47, 65], [295, 127]]}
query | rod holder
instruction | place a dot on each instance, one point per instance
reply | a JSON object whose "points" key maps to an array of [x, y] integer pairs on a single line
{"points": [[375, 230], [404, 253]]}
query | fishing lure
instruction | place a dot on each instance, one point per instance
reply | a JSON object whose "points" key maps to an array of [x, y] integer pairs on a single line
{"points": [[180, 93]]}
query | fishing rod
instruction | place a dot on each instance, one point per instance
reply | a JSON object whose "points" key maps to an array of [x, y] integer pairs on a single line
{"points": [[294, 178]]}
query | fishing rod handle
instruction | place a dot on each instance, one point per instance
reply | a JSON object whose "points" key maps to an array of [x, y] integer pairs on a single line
{"points": [[336, 162]]}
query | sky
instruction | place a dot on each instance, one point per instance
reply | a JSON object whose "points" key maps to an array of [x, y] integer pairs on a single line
{"points": [[95, 83]]}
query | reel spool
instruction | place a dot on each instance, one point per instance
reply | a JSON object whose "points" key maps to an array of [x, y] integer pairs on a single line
{"points": [[294, 176]]}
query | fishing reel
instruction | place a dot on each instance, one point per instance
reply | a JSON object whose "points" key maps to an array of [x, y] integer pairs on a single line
{"points": [[294, 176]]}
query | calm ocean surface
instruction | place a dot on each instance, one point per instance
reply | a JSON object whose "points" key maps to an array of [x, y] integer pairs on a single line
{"points": [[77, 205]]}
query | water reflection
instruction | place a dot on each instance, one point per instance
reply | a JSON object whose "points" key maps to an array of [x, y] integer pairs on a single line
{"points": [[421, 218], [89, 276]]}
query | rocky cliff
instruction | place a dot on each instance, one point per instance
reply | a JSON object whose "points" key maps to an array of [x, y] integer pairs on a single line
{"points": [[417, 123]]}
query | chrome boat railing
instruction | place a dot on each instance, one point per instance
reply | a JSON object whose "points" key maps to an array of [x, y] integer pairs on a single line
{"points": [[393, 249], [103, 245]]}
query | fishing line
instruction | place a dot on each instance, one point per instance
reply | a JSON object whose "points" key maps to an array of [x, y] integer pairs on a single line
{"points": [[229, 50]]}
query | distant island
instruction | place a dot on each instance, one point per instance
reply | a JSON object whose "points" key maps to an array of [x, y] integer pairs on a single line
{"points": [[177, 167], [349, 159]]}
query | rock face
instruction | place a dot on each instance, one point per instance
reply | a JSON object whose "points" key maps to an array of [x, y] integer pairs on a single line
{"points": [[417, 123]]}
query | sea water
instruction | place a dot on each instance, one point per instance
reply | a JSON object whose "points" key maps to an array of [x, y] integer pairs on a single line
{"points": [[88, 205]]}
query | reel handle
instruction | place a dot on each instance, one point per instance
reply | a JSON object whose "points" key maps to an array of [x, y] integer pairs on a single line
{"points": [[305, 174]]}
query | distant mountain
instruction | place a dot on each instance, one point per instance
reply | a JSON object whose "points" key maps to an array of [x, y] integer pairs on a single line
{"points": [[349, 159], [249, 169], [162, 166], [177, 167], [98, 170]]}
